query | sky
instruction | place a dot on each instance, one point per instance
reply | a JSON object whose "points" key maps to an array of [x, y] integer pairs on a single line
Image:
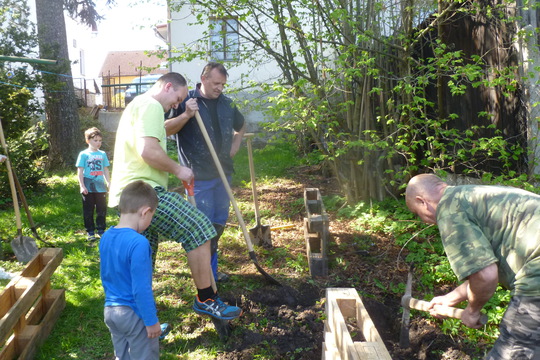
{"points": [[126, 27]]}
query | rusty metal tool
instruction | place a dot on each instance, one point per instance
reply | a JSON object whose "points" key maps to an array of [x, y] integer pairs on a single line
{"points": [[408, 303]]}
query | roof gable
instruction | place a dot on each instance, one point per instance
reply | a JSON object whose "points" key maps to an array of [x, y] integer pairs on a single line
{"points": [[129, 63]]}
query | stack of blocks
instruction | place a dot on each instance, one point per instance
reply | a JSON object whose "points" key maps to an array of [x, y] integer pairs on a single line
{"points": [[316, 232]]}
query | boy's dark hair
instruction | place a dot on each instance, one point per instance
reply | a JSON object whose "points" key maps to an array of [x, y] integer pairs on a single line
{"points": [[174, 78], [92, 133], [214, 65], [136, 195]]}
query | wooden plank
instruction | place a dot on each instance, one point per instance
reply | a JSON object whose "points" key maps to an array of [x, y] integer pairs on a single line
{"points": [[7, 299], [57, 300], [337, 328], [329, 352], [344, 303], [9, 351], [317, 223], [366, 325], [28, 297], [373, 350], [318, 263]]}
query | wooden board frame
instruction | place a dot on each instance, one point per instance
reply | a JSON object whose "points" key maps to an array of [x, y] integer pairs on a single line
{"points": [[342, 304], [29, 308]]}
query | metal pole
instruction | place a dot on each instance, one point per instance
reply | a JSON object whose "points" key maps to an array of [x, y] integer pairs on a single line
{"points": [[28, 60]]}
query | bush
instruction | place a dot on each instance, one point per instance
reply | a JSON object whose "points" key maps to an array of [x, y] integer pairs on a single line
{"points": [[27, 155]]}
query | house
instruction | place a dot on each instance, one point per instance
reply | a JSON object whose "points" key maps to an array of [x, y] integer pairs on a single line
{"points": [[223, 46], [120, 68]]}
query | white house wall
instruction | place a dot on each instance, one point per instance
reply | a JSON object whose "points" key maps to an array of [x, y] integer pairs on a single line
{"points": [[184, 36]]}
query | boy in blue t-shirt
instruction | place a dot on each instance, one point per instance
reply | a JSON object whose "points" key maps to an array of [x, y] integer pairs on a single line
{"points": [[94, 180], [126, 275]]}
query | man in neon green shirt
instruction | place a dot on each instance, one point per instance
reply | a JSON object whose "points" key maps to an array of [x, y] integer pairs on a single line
{"points": [[491, 235], [140, 154]]}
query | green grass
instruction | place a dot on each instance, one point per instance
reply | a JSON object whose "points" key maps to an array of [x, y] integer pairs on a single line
{"points": [[80, 332]]}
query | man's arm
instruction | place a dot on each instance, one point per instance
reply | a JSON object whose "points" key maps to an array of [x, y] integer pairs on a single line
{"points": [[175, 124], [482, 286], [477, 290], [237, 140], [152, 153]]}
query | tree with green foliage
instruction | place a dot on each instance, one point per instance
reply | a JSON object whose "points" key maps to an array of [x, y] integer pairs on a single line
{"points": [[19, 108], [60, 100], [381, 89]]}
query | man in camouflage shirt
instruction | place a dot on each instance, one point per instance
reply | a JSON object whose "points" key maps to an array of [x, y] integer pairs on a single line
{"points": [[491, 235]]}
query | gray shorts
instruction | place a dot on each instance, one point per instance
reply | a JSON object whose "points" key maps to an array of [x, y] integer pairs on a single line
{"points": [[129, 336], [519, 337]]}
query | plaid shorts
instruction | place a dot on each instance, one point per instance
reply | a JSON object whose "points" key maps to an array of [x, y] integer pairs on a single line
{"points": [[177, 220], [519, 337]]}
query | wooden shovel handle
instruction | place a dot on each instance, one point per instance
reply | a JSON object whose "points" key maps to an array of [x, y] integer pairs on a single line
{"points": [[253, 184], [448, 311], [11, 183], [225, 182]]}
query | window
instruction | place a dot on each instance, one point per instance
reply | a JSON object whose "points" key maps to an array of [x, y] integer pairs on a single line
{"points": [[224, 39], [82, 62]]}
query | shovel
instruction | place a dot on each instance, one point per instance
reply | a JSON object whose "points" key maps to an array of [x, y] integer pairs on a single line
{"points": [[233, 202], [260, 234], [27, 209], [24, 247]]}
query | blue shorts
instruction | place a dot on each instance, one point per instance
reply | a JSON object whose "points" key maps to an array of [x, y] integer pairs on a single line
{"points": [[212, 199]]}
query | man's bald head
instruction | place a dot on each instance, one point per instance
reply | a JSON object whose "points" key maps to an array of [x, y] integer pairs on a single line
{"points": [[423, 194]]}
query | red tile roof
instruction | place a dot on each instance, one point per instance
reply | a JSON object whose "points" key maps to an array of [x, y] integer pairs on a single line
{"points": [[128, 63]]}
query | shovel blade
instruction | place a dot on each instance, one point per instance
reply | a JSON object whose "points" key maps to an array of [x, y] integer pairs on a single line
{"points": [[260, 235], [24, 248]]}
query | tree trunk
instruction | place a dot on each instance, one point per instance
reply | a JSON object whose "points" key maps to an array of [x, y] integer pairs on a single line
{"points": [[60, 100]]}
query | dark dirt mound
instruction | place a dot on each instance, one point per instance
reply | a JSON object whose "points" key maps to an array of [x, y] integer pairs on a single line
{"points": [[292, 315]]}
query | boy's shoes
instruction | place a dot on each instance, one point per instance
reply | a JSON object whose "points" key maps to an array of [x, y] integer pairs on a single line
{"points": [[222, 277], [91, 237], [165, 329], [216, 308]]}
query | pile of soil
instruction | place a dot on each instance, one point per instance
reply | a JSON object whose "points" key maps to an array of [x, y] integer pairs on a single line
{"points": [[292, 315]]}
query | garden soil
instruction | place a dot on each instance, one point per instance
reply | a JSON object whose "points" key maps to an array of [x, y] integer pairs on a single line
{"points": [[292, 315]]}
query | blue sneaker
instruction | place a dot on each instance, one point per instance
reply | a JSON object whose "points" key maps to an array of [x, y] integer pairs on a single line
{"points": [[165, 329], [216, 308]]}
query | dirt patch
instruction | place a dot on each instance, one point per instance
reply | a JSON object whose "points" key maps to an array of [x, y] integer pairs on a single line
{"points": [[291, 316]]}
